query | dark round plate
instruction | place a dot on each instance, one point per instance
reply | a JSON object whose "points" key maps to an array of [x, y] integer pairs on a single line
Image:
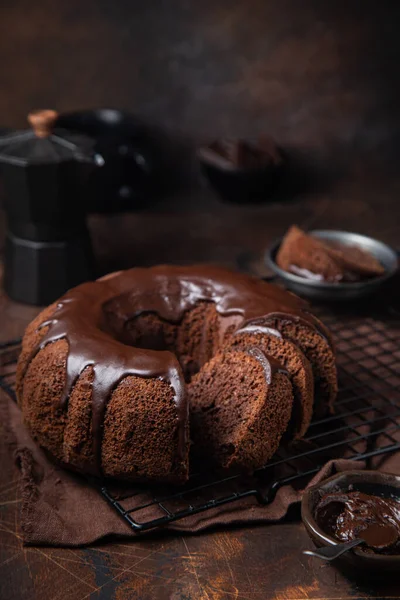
{"points": [[320, 290]]}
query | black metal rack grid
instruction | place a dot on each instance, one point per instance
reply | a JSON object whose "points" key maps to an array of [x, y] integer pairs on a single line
{"points": [[365, 426]]}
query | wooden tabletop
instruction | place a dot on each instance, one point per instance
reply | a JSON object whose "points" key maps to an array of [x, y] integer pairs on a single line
{"points": [[254, 563]]}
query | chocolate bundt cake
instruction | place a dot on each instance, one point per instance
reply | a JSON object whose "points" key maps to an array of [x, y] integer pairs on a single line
{"points": [[306, 256], [240, 406], [106, 374]]}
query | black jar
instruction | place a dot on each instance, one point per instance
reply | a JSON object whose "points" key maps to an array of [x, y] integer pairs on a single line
{"points": [[48, 247]]}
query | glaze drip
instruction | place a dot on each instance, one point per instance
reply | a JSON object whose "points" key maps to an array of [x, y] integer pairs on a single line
{"points": [[170, 291], [77, 319]]}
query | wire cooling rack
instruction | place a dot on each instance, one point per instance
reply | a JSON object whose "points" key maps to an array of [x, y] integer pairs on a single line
{"points": [[365, 426]]}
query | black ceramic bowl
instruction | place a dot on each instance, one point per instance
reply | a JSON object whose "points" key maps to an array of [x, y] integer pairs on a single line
{"points": [[369, 482], [128, 177], [240, 185], [321, 290]]}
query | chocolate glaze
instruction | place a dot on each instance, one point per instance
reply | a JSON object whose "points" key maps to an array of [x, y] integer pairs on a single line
{"points": [[180, 288], [297, 413], [265, 323], [77, 319], [83, 317], [259, 329], [347, 515], [269, 364]]}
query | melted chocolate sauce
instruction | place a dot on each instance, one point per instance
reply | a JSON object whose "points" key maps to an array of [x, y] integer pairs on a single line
{"points": [[347, 515], [84, 314]]}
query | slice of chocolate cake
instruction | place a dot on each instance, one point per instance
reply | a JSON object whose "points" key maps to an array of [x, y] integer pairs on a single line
{"points": [[289, 355], [325, 260], [306, 256], [240, 404], [356, 260], [319, 351]]}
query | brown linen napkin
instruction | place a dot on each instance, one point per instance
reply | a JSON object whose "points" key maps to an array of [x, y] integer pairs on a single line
{"points": [[62, 509]]}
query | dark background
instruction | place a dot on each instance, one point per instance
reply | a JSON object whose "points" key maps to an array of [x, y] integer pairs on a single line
{"points": [[321, 76], [318, 72]]}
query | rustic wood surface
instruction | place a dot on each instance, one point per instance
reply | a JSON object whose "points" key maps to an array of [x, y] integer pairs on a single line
{"points": [[256, 563]]}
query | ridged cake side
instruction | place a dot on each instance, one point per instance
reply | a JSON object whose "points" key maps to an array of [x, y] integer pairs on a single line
{"points": [[140, 434]]}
